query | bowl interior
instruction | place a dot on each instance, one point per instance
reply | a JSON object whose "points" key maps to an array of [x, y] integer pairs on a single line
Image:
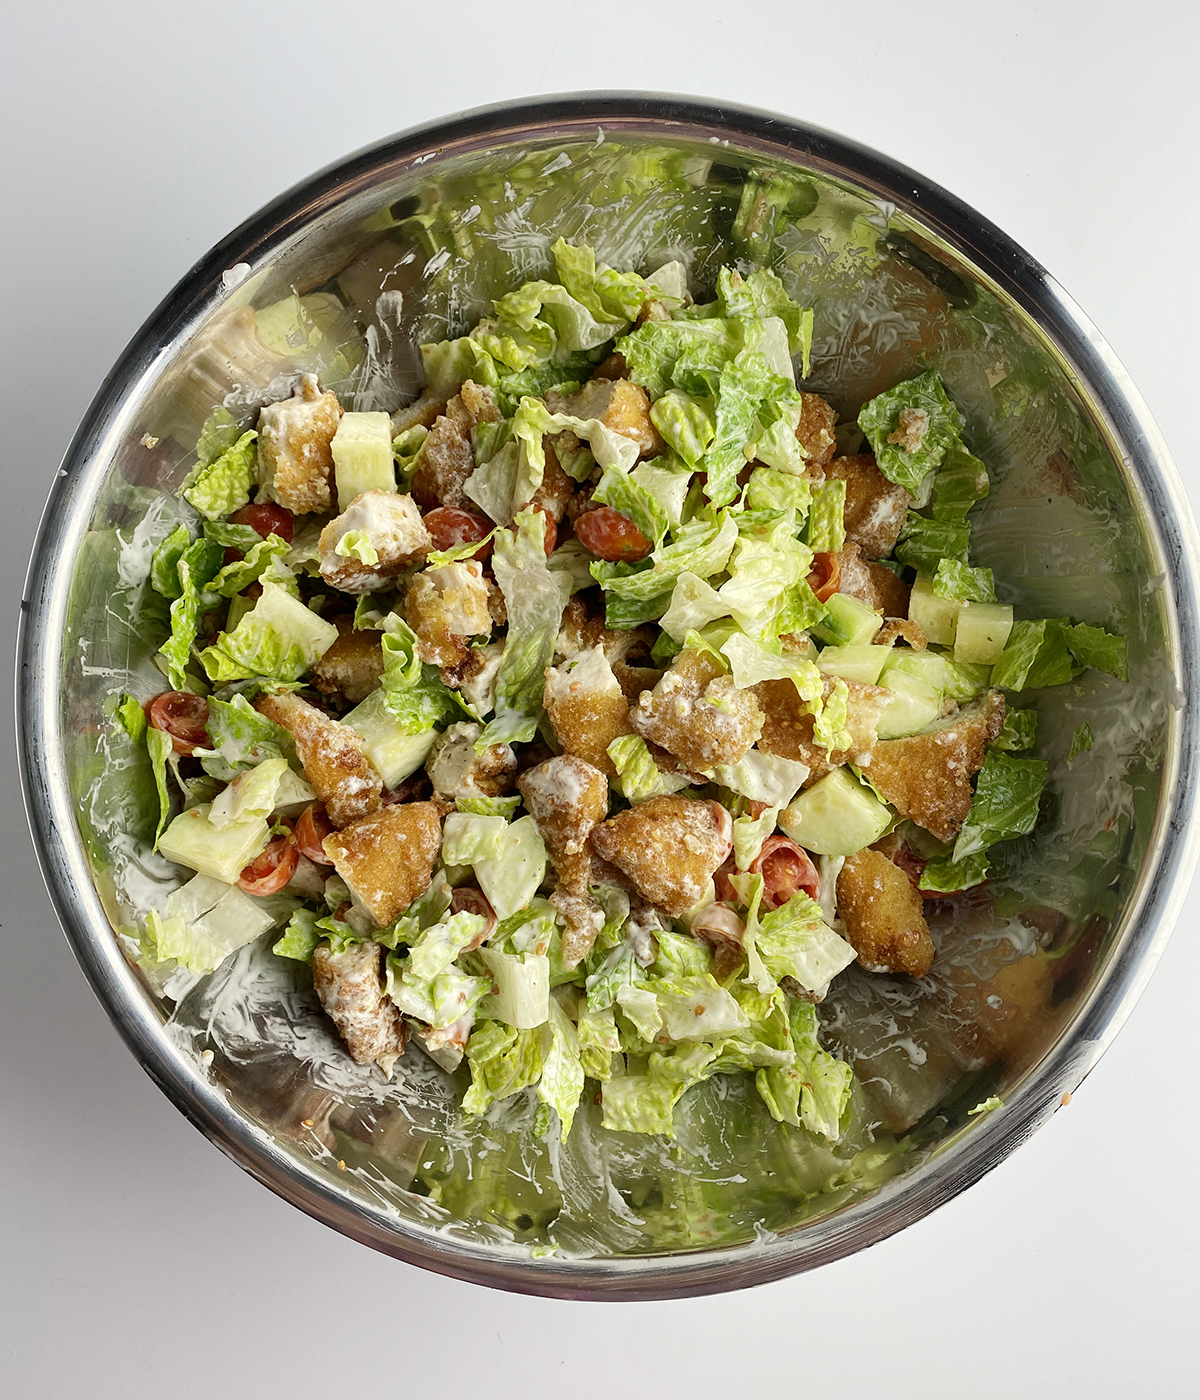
{"points": [[407, 244]]}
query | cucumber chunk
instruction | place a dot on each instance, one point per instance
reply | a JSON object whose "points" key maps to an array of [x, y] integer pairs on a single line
{"points": [[362, 456], [394, 752], [982, 633], [837, 816], [858, 663], [914, 704], [936, 617], [847, 622]]}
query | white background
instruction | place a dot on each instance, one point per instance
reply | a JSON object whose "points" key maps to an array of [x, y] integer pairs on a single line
{"points": [[135, 1260]]}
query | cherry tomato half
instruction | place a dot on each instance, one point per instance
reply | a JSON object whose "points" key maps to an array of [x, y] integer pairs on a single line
{"points": [[312, 826], [608, 534], [551, 530], [786, 870], [475, 902], [184, 717], [269, 872], [268, 519], [449, 527], [825, 577], [913, 866]]}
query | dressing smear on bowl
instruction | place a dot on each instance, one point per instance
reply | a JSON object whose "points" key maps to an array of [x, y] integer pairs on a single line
{"points": [[598, 474]]}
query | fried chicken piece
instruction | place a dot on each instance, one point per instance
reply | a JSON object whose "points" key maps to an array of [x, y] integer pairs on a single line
{"points": [[587, 708], [393, 528], [350, 988], [615, 367], [582, 920], [475, 675], [423, 412], [581, 629], [387, 859], [557, 488], [331, 753], [875, 506], [874, 584], [635, 680], [447, 458], [294, 438], [787, 728], [618, 404], [446, 607], [815, 431], [697, 713], [352, 667], [883, 915], [927, 776], [670, 847], [456, 770]]}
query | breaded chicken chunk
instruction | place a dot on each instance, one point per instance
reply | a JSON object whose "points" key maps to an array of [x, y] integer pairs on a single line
{"points": [[883, 915], [618, 404], [587, 707], [927, 776], [875, 506], [350, 987], [393, 530], [446, 607], [670, 847], [294, 450], [815, 431], [352, 667], [581, 629], [874, 584], [787, 728], [697, 713], [447, 457], [423, 412], [387, 859], [342, 776], [456, 770]]}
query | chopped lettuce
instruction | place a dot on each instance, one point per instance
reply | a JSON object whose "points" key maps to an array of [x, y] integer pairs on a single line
{"points": [[815, 1089], [300, 937], [503, 1061], [763, 777], [609, 295], [795, 941], [1018, 732], [748, 390], [687, 424], [223, 485], [195, 567], [962, 480], [1005, 803], [701, 548], [1098, 648], [561, 1084], [260, 557], [467, 838], [511, 879], [160, 749], [1035, 655], [944, 874], [164, 563], [489, 806], [956, 580], [827, 518], [926, 543], [1081, 741], [770, 489], [205, 921], [130, 715], [639, 778], [911, 428], [279, 638], [414, 693], [749, 833]]}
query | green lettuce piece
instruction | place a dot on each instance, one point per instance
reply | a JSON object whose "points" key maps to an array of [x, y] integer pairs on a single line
{"points": [[623, 493], [687, 355], [956, 580], [300, 937], [561, 1084], [770, 489], [467, 838], [795, 941], [406, 452], [196, 568], [762, 777], [644, 1101], [535, 596], [130, 715], [796, 609], [770, 199], [827, 518], [434, 949], [748, 390], [598, 1041], [639, 1006], [503, 1061], [224, 485], [564, 374], [239, 575], [701, 548], [414, 693], [511, 880], [680, 957], [880, 420], [1035, 655], [448, 363], [607, 294], [218, 435], [962, 480], [160, 749], [760, 294], [425, 911], [164, 563], [749, 833], [356, 544], [230, 536], [687, 424], [1005, 803], [205, 921], [239, 737], [619, 969], [815, 1089], [696, 1007], [1081, 741], [639, 778], [830, 718], [945, 874], [1018, 732], [279, 638], [489, 806], [439, 1001], [925, 543], [668, 481], [1095, 647]]}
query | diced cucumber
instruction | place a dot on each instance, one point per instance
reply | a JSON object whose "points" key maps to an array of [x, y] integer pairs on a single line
{"points": [[192, 840], [837, 816], [983, 630], [394, 752], [848, 622], [936, 617], [861, 663], [362, 456], [914, 704]]}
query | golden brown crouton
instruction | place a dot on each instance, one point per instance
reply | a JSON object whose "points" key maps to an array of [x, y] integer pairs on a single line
{"points": [[634, 680], [815, 432], [874, 584], [582, 629], [294, 439], [556, 489], [619, 405], [423, 412], [697, 713], [353, 665], [472, 405], [446, 607], [901, 627], [884, 916], [456, 770], [927, 777], [615, 367], [788, 725], [910, 433], [447, 458], [587, 708], [670, 847], [351, 991], [875, 506], [387, 859], [393, 529], [342, 776]]}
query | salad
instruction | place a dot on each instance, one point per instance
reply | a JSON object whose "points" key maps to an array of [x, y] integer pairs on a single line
{"points": [[584, 720]]}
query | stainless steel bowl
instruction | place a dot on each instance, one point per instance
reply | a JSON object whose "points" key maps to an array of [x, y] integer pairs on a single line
{"points": [[1087, 518]]}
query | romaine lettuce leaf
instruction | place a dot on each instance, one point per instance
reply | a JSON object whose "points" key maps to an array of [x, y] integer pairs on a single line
{"points": [[164, 563], [962, 480], [639, 778], [687, 424], [596, 1033], [911, 428], [160, 749], [503, 1061], [795, 941], [815, 1089], [1018, 732], [195, 569], [609, 295], [205, 921], [561, 1084], [1005, 803], [701, 548], [239, 575], [1035, 655], [769, 489], [1081, 741], [278, 638], [1095, 647], [945, 874], [467, 838], [223, 485], [955, 580], [748, 391], [300, 937], [511, 879], [240, 738], [448, 363], [926, 543], [414, 693]]}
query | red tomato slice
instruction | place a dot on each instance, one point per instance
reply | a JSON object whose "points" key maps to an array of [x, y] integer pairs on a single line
{"points": [[551, 530], [269, 872], [183, 717], [449, 527], [475, 902], [825, 577], [312, 826], [608, 534], [268, 519], [786, 870]]}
